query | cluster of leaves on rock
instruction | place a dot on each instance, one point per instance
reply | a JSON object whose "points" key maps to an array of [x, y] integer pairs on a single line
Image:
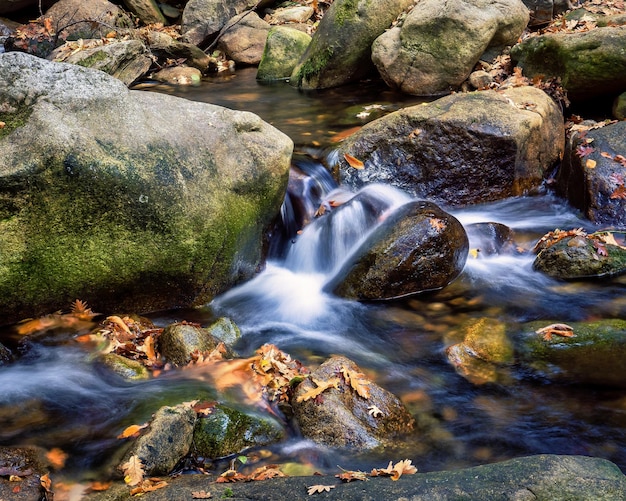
{"points": [[599, 240]]}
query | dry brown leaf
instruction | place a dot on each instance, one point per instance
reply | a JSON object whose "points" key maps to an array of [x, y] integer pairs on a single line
{"points": [[562, 330], [349, 476], [46, 483], [133, 471], [231, 476], [200, 495], [357, 382], [437, 224], [321, 387], [315, 489], [354, 162], [266, 472]]}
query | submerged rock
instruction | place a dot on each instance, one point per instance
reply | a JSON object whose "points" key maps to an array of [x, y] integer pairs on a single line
{"points": [[460, 149], [418, 247], [179, 75], [225, 431], [341, 417], [129, 200], [178, 342], [130, 370]]}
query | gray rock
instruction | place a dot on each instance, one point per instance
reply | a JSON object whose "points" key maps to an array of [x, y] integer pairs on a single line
{"points": [[126, 60], [283, 48], [203, 19], [166, 47], [178, 341], [437, 45], [130, 200], [225, 431], [461, 149], [99, 16], [147, 11], [342, 418], [418, 247], [179, 75], [167, 440], [543, 11], [590, 64], [541, 477], [244, 40], [295, 14], [599, 190], [225, 330], [340, 51]]}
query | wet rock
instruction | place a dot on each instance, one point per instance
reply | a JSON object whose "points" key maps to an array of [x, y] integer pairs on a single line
{"points": [[580, 257], [165, 47], [619, 106], [541, 477], [590, 64], [595, 355], [244, 40], [483, 352], [418, 247], [342, 418], [227, 431], [130, 370], [126, 60], [283, 48], [27, 463], [225, 330], [340, 50], [490, 238], [147, 11], [141, 201], [202, 19], [100, 17], [5, 355], [167, 440], [460, 149], [179, 75], [595, 181], [178, 341], [436, 47]]}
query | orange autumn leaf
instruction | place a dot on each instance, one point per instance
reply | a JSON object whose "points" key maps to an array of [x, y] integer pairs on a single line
{"points": [[357, 382], [619, 193], [57, 458], [46, 483], [321, 387], [354, 162], [562, 330], [231, 476], [340, 136], [99, 486], [266, 472], [437, 224], [132, 431]]}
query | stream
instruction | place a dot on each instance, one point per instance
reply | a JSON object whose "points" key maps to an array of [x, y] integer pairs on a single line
{"points": [[54, 396]]}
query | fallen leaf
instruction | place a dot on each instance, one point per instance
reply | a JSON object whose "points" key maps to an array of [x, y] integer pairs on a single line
{"points": [[132, 431], [563, 330], [200, 495], [354, 162], [374, 411], [340, 136], [474, 253], [133, 471], [349, 476], [99, 486], [231, 476], [315, 489], [590, 163], [395, 471], [266, 472], [619, 193], [15, 478], [437, 224], [321, 386], [46, 483], [2, 124], [584, 149], [57, 458], [357, 382]]}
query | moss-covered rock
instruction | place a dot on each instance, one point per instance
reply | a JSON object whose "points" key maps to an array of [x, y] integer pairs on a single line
{"points": [[283, 48], [129, 200], [227, 431], [131, 370]]}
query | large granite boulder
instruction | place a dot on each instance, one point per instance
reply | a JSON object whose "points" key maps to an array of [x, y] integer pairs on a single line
{"points": [[436, 47], [340, 51], [590, 64], [593, 173], [129, 200], [203, 19], [460, 149]]}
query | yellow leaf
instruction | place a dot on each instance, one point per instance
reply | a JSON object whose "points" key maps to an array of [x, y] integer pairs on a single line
{"points": [[314, 489], [321, 386], [590, 164], [133, 471], [132, 430], [357, 382], [353, 162], [474, 253]]}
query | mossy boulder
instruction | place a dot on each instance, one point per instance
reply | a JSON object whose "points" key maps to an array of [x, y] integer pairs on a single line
{"points": [[178, 342], [340, 50], [131, 201], [283, 48], [596, 354], [590, 64], [225, 431], [460, 149], [130, 370]]}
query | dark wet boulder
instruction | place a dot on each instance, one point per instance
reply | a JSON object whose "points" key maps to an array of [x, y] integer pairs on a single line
{"points": [[593, 173], [460, 149], [225, 430], [590, 64], [340, 50], [594, 354], [418, 247], [490, 238], [132, 201], [580, 255], [166, 441], [28, 464], [341, 417], [434, 49]]}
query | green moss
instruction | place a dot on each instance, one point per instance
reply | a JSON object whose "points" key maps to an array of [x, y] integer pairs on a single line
{"points": [[14, 120], [93, 59], [313, 65], [345, 11]]}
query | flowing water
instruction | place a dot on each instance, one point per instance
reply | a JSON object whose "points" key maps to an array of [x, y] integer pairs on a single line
{"points": [[55, 396]]}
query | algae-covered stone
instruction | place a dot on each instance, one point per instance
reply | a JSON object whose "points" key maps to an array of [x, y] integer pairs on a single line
{"points": [[178, 341], [132, 201], [227, 431], [179, 75], [596, 354], [225, 330], [283, 48], [131, 370]]}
